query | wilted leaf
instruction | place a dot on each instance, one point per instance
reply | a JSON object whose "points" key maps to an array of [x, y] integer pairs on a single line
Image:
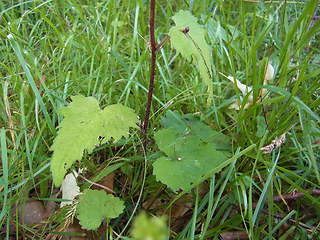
{"points": [[69, 188], [269, 73], [266, 72], [243, 88]]}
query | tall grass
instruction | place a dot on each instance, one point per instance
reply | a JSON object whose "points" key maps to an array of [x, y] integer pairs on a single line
{"points": [[51, 50]]}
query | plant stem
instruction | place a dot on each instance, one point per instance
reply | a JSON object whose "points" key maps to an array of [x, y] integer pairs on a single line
{"points": [[159, 46], [152, 73]]}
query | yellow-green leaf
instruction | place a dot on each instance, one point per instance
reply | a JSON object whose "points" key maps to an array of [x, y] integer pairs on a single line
{"points": [[81, 128], [193, 44]]}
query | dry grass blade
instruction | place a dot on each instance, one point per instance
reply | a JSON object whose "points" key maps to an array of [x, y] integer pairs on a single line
{"points": [[275, 144]]}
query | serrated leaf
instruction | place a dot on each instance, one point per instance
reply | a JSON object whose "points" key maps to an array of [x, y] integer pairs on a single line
{"points": [[116, 122], [81, 128], [193, 44], [192, 159], [94, 205]]}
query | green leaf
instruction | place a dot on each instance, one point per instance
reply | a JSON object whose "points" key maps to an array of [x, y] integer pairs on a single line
{"points": [[81, 128], [190, 124], [189, 158], [94, 205], [145, 228], [191, 147], [166, 140], [193, 44], [117, 120]]}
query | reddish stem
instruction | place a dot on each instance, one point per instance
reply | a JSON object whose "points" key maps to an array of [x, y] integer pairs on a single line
{"points": [[159, 46], [152, 73]]}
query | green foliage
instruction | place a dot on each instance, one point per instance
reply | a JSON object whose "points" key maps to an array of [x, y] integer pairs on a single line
{"points": [[190, 146], [149, 228], [190, 123], [193, 44], [59, 49], [83, 124], [95, 205]]}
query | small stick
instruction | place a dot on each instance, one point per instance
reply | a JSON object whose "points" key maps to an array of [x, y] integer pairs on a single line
{"points": [[159, 46], [296, 195], [97, 184]]}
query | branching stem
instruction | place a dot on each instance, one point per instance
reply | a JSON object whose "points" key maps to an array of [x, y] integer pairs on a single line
{"points": [[159, 46]]}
